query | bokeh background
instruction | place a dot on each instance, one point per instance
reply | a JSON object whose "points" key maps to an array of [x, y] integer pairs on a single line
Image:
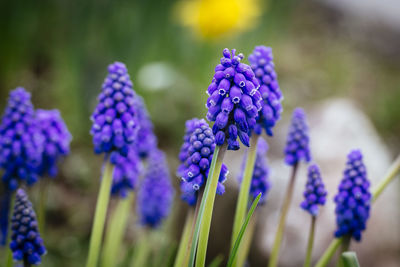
{"points": [[340, 60]]}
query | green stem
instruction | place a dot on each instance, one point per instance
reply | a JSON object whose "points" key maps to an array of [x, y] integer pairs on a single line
{"points": [[246, 243], [26, 263], [243, 199], [376, 192], [116, 230], [184, 244], [100, 215], [344, 248], [43, 191], [273, 261], [9, 258], [203, 221], [142, 250], [307, 261]]}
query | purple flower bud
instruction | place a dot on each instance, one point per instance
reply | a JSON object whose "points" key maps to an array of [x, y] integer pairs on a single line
{"points": [[297, 144], [25, 239], [262, 64], [353, 203]]}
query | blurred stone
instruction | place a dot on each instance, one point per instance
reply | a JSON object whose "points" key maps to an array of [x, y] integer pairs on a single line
{"points": [[336, 127]]}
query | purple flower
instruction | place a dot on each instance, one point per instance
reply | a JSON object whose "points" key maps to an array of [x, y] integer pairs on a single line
{"points": [[146, 140], [126, 172], [26, 243], [115, 122], [234, 100], [56, 140], [260, 182], [262, 64], [199, 156], [314, 193], [297, 144], [353, 200], [156, 193], [21, 142]]}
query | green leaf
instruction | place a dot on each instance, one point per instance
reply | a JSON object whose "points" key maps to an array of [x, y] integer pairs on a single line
{"points": [[216, 261], [242, 230], [350, 259]]}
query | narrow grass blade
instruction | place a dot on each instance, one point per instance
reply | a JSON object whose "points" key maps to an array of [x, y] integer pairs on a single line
{"points": [[216, 262], [242, 230]]}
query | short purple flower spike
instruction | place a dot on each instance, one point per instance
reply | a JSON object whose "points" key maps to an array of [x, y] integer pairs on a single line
{"points": [[234, 101], [297, 144], [314, 193], [260, 182], [156, 193], [26, 243], [261, 62], [126, 172], [353, 200], [21, 142], [56, 140], [200, 153], [115, 122], [146, 140]]}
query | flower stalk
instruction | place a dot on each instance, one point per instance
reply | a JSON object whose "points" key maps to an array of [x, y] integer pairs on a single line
{"points": [[9, 259], [181, 257], [393, 171], [246, 243], [100, 215], [115, 231], [273, 261], [310, 244], [243, 199], [44, 184]]}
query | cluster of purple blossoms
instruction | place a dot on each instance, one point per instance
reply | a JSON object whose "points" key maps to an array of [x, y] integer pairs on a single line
{"points": [[26, 243], [126, 172], [234, 100], [297, 144], [115, 122], [260, 182], [199, 156], [56, 140], [146, 141], [21, 142], [314, 193], [353, 200], [261, 62], [156, 193]]}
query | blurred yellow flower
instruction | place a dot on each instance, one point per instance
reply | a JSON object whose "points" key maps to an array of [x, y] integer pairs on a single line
{"points": [[215, 18]]}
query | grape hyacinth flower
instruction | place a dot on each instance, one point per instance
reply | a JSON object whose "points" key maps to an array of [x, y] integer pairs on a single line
{"points": [[146, 140], [297, 144], [260, 182], [234, 100], [200, 153], [21, 142], [353, 200], [261, 62], [156, 193], [126, 172], [314, 193], [56, 140], [115, 123], [26, 243]]}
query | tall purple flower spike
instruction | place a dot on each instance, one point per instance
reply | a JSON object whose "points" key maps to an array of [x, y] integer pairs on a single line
{"points": [[26, 243], [156, 193], [126, 172], [146, 140], [261, 62], [199, 156], [234, 101], [115, 122], [21, 142], [353, 200], [56, 140], [260, 182], [314, 193], [297, 144]]}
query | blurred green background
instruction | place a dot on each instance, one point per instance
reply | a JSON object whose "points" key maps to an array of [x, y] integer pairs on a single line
{"points": [[59, 50]]}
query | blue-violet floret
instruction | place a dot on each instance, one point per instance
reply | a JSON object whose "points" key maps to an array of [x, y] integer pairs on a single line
{"points": [[314, 193]]}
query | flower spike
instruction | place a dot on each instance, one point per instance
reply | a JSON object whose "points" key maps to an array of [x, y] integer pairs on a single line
{"points": [[314, 193]]}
